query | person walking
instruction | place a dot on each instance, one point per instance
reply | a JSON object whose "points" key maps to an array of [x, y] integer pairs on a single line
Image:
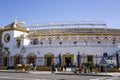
{"points": [[64, 67], [31, 66], [53, 68], [34, 67]]}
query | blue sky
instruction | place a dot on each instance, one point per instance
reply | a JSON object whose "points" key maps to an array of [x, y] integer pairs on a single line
{"points": [[47, 11]]}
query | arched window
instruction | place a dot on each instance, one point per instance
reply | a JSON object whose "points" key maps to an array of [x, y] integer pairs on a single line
{"points": [[35, 41], [18, 43]]}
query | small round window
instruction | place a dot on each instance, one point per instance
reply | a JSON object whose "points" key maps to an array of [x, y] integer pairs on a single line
{"points": [[7, 38]]}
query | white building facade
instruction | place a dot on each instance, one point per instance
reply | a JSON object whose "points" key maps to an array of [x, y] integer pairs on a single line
{"points": [[59, 46]]}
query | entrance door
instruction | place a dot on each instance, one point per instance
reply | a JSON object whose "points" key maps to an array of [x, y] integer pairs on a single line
{"points": [[17, 60], [5, 61], [31, 60], [68, 61], [90, 58], [49, 61]]}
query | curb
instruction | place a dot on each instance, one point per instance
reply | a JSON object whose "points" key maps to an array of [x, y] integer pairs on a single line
{"points": [[84, 74]]}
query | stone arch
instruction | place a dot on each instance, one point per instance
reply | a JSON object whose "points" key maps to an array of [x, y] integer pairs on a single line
{"points": [[58, 40], [48, 40], [82, 40], [106, 39], [98, 39], [42, 41], [66, 39], [74, 40], [35, 41], [114, 40], [90, 39]]}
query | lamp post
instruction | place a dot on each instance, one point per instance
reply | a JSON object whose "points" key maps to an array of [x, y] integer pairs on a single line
{"points": [[60, 59], [78, 59], [23, 50], [96, 59], [38, 59], [117, 59]]}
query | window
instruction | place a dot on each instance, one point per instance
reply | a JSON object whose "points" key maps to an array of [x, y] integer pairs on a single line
{"points": [[90, 58], [98, 42], [41, 43], [7, 38], [97, 37], [50, 42], [60, 42], [35, 41], [75, 42], [11, 59], [18, 42], [31, 43], [114, 40]]}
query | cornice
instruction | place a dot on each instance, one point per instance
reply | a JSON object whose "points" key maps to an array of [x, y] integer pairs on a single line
{"points": [[17, 29], [82, 34]]}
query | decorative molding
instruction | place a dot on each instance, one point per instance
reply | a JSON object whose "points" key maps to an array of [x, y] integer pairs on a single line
{"points": [[6, 51], [81, 34], [14, 28], [31, 54]]}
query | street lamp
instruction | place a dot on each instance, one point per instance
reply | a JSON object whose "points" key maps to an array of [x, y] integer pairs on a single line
{"points": [[78, 59], [117, 59], [96, 56], [60, 59], [23, 50]]}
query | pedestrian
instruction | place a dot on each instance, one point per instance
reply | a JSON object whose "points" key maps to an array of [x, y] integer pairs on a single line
{"points": [[56, 70], [34, 67], [56, 66], [64, 67], [31, 66], [53, 67]]}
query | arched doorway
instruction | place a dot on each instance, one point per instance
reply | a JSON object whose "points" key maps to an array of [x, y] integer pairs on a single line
{"points": [[68, 59]]}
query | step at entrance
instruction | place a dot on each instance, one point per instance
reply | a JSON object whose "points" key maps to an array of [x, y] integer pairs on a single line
{"points": [[68, 69]]}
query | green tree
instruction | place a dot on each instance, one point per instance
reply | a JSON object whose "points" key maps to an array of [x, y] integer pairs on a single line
{"points": [[91, 66]]}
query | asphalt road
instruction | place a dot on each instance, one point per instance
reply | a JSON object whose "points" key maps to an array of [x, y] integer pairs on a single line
{"points": [[29, 76]]}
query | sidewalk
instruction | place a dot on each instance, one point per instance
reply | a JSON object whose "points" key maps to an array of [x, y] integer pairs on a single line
{"points": [[32, 72], [13, 71], [112, 74], [40, 72]]}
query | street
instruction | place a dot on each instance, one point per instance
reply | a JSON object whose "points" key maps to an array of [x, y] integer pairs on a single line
{"points": [[29, 76]]}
